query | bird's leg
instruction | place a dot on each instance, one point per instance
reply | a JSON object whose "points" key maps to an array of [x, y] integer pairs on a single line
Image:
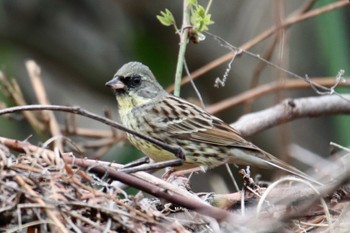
{"points": [[143, 160], [152, 166], [173, 172]]}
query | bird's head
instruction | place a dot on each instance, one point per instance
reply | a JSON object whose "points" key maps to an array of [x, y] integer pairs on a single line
{"points": [[134, 85]]}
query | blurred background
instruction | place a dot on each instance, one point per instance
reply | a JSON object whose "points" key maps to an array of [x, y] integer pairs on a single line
{"points": [[80, 44]]}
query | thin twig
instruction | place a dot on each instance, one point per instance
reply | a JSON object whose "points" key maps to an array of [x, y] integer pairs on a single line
{"points": [[51, 212], [319, 89], [258, 70], [79, 111], [92, 133], [194, 86], [269, 88]]}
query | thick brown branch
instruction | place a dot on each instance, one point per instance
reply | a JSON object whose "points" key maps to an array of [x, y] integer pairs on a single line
{"points": [[199, 207]]}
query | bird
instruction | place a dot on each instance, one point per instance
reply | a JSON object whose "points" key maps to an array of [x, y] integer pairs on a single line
{"points": [[206, 141]]}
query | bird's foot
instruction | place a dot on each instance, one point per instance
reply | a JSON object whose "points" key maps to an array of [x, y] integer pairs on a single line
{"points": [[172, 173]]}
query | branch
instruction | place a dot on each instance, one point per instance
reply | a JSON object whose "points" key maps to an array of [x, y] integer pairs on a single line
{"points": [[291, 195], [34, 73], [182, 49], [247, 125], [261, 90], [77, 110], [13, 90], [292, 19], [139, 180], [291, 109]]}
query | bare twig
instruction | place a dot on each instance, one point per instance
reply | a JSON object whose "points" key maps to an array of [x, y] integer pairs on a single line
{"points": [[92, 133], [247, 125], [269, 88], [34, 73], [16, 95], [77, 110], [258, 70], [50, 210]]}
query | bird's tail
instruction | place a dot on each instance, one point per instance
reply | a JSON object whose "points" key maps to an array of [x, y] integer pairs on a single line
{"points": [[288, 168]]}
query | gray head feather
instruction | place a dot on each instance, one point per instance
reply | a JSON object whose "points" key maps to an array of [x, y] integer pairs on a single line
{"points": [[149, 88]]}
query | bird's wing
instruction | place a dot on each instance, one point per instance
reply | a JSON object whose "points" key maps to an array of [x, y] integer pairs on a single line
{"points": [[184, 120]]}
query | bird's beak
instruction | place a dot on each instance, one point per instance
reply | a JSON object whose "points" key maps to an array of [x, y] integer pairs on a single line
{"points": [[115, 83]]}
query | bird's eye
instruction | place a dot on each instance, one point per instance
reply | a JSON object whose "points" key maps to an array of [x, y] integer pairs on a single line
{"points": [[135, 81]]}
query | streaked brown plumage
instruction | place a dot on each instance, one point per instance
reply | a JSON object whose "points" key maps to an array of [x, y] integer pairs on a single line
{"points": [[206, 141]]}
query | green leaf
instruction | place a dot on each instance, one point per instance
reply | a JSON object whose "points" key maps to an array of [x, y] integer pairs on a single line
{"points": [[192, 3], [200, 19], [166, 18]]}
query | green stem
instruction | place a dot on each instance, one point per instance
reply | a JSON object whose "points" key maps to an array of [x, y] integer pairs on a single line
{"points": [[208, 6], [182, 49]]}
